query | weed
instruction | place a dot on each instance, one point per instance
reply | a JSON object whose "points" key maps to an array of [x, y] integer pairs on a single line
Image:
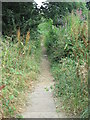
{"points": [[67, 48], [18, 72]]}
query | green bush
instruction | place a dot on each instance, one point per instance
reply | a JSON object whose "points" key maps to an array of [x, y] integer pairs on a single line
{"points": [[55, 43]]}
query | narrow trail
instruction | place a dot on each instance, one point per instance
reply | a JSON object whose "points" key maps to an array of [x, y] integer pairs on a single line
{"points": [[40, 102]]}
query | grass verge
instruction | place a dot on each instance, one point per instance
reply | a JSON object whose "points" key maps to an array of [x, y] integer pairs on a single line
{"points": [[19, 71]]}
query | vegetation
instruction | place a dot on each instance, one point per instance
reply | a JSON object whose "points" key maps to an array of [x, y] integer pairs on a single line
{"points": [[67, 47], [65, 30], [20, 66], [20, 14]]}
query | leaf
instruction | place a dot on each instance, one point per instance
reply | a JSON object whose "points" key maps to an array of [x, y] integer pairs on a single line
{"points": [[14, 108], [7, 103], [65, 47], [51, 87], [46, 89], [11, 97]]}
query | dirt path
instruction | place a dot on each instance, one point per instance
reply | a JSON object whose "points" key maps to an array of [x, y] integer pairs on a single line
{"points": [[41, 103]]}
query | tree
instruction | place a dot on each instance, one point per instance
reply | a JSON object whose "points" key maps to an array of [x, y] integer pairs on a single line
{"points": [[19, 14], [54, 10]]}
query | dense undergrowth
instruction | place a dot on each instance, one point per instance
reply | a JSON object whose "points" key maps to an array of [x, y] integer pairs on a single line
{"points": [[66, 41], [67, 47], [20, 68]]}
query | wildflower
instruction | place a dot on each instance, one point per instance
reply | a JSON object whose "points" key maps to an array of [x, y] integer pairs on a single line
{"points": [[80, 12], [77, 12]]}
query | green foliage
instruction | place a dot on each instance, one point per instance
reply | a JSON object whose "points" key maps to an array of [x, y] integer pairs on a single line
{"points": [[71, 90], [19, 14], [18, 72], [20, 57], [55, 42], [54, 10], [44, 27], [67, 47]]}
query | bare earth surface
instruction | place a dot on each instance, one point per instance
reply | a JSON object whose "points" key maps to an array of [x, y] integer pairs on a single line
{"points": [[40, 102]]}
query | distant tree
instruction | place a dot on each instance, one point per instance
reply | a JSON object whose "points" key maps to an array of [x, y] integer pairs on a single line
{"points": [[19, 14], [54, 10]]}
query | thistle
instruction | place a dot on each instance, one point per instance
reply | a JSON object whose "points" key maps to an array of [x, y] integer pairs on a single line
{"points": [[27, 37]]}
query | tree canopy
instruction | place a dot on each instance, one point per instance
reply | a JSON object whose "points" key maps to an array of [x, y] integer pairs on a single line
{"points": [[19, 14]]}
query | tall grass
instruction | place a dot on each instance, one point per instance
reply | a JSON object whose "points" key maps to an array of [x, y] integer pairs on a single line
{"points": [[20, 68], [67, 47]]}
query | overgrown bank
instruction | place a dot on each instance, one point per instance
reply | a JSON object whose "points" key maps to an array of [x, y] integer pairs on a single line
{"points": [[67, 47], [20, 68]]}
